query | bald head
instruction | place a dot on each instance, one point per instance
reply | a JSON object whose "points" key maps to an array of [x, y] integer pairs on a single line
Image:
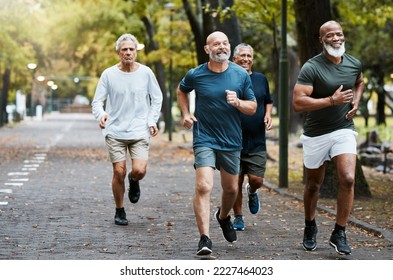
{"points": [[217, 35], [328, 27]]}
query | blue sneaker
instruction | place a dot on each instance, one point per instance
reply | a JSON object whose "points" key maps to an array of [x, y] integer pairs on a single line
{"points": [[253, 201], [238, 222]]}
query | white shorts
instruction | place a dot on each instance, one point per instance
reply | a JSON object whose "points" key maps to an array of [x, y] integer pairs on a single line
{"points": [[317, 150]]}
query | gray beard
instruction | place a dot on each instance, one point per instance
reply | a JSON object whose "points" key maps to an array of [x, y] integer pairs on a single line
{"points": [[335, 52], [220, 59]]}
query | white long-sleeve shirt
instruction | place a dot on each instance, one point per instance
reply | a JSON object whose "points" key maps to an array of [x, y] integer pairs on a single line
{"points": [[133, 102]]}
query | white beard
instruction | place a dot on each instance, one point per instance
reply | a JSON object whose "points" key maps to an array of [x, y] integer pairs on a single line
{"points": [[333, 51]]}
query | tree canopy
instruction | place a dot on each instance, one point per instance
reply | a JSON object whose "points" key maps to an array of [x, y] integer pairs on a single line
{"points": [[75, 38]]}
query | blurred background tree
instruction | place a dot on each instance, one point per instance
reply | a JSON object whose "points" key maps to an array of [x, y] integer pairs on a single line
{"points": [[72, 42]]}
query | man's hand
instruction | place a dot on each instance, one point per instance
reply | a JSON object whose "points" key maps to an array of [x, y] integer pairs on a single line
{"points": [[103, 121], [153, 130], [232, 98], [268, 122], [188, 121]]}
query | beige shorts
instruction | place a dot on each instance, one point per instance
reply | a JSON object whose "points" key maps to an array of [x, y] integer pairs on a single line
{"points": [[117, 148], [317, 150]]}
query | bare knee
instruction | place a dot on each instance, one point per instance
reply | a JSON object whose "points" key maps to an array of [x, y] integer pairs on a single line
{"points": [[138, 174], [119, 172], [312, 187], [347, 181], [203, 188]]}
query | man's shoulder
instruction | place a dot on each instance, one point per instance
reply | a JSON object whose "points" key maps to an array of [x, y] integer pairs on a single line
{"points": [[198, 69], [235, 67], [144, 67], [258, 75], [316, 59], [351, 58]]}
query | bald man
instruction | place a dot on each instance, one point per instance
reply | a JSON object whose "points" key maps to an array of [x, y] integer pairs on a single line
{"points": [[328, 90], [223, 90]]}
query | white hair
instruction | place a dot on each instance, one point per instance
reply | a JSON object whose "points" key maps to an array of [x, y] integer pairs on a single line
{"points": [[126, 37]]}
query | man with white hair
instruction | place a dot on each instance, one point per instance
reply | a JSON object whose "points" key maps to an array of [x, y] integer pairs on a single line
{"points": [[328, 90], [133, 104]]}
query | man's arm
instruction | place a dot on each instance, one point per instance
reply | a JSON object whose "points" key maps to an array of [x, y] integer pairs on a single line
{"points": [[303, 102], [357, 95], [247, 107], [184, 104]]}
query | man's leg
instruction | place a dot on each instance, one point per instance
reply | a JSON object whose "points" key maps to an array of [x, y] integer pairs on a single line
{"points": [[118, 186], [229, 184], [310, 197], [138, 169], [203, 188], [118, 189], [237, 206], [345, 165], [314, 180], [254, 183]]}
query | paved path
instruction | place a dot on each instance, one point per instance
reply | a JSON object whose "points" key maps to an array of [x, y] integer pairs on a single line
{"points": [[56, 204]]}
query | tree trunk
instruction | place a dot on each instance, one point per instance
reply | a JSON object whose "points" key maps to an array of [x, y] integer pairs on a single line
{"points": [[228, 25], [198, 31], [159, 68], [329, 188], [4, 96], [211, 22], [310, 15]]}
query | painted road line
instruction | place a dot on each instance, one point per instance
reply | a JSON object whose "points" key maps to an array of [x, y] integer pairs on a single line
{"points": [[19, 179], [13, 184], [5, 190], [31, 165], [18, 173]]}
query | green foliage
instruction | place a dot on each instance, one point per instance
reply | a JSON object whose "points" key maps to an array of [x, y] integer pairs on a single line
{"points": [[368, 25], [68, 38]]}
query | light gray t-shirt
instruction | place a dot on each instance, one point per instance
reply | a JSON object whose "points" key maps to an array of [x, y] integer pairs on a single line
{"points": [[133, 102]]}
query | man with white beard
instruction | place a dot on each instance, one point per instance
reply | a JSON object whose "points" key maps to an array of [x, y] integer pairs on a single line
{"points": [[328, 90], [223, 90]]}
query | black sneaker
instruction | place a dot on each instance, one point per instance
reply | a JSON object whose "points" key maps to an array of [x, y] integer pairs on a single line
{"points": [[310, 238], [339, 242], [133, 192], [227, 227], [204, 246], [120, 217]]}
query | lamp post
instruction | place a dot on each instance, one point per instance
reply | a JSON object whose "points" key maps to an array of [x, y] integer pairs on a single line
{"points": [[50, 84], [283, 101], [171, 8], [32, 67]]}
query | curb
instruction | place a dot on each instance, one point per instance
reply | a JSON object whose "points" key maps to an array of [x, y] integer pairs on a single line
{"points": [[388, 235]]}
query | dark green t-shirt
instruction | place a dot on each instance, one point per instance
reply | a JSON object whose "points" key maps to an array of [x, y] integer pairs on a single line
{"points": [[326, 77]]}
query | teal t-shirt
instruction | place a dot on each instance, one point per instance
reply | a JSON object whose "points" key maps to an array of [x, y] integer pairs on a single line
{"points": [[326, 77], [218, 126]]}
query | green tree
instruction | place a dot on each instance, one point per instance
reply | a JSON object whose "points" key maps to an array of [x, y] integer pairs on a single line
{"points": [[373, 34]]}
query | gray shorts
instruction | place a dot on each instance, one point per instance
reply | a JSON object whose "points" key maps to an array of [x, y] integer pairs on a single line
{"points": [[208, 157], [117, 148], [253, 163], [317, 150]]}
